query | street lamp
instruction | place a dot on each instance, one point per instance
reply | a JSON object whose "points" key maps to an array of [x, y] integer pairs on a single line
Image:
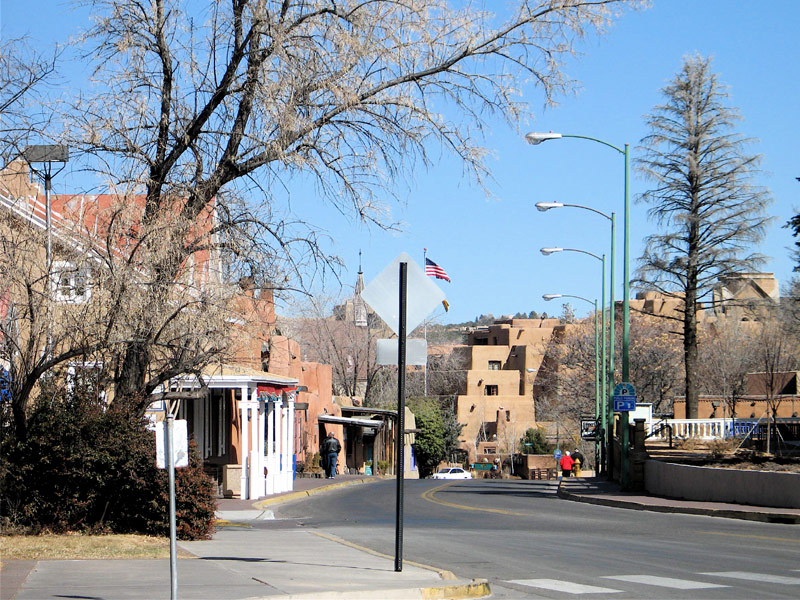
{"points": [[47, 154], [607, 404], [536, 138], [603, 405]]}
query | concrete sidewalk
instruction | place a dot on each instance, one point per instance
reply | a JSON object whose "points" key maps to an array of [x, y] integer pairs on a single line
{"points": [[245, 562], [594, 490]]}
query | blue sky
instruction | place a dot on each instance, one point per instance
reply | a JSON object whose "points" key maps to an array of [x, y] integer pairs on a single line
{"points": [[490, 246]]}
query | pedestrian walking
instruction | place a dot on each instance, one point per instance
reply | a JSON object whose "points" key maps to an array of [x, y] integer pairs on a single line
{"points": [[577, 457], [566, 465], [330, 451]]}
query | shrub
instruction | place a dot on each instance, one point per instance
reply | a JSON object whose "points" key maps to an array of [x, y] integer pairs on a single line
{"points": [[83, 467], [383, 466]]}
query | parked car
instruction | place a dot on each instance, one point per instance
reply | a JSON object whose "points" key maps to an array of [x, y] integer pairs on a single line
{"points": [[452, 473]]}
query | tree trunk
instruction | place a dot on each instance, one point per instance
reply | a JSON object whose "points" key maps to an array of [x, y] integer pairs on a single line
{"points": [[130, 381], [690, 353]]}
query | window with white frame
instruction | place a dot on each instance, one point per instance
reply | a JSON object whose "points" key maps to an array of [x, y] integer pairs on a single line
{"points": [[70, 282]]}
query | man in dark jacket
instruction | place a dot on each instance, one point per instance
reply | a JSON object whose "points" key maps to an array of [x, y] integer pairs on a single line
{"points": [[330, 452]]}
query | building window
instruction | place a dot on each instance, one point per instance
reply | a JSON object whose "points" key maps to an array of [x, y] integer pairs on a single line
{"points": [[494, 365], [490, 390], [70, 283]]}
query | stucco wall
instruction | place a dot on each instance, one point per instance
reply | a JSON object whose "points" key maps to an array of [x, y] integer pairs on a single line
{"points": [[706, 484]]}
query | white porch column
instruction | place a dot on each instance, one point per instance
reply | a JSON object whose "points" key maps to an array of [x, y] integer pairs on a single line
{"points": [[272, 461], [261, 450], [256, 469], [283, 447], [244, 445], [290, 440]]}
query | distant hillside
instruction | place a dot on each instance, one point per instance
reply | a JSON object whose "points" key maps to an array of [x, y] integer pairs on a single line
{"points": [[454, 333]]}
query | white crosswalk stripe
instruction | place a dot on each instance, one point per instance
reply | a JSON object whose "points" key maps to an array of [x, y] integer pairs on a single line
{"points": [[571, 587], [761, 577], [566, 587], [668, 582]]}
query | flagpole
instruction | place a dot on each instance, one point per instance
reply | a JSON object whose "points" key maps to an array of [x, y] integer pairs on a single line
{"points": [[425, 266]]}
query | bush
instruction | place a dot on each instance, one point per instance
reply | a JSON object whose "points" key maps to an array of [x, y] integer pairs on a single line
{"points": [[85, 468]]}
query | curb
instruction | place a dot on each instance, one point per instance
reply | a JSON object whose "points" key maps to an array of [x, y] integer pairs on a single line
{"points": [[262, 504], [477, 588], [762, 517]]}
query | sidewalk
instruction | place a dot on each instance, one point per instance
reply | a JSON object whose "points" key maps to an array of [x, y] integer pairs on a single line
{"points": [[594, 490], [245, 562]]}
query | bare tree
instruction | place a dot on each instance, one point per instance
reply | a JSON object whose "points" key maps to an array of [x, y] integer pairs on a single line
{"points": [[776, 354], [201, 101], [729, 352], [656, 361], [348, 347], [22, 73], [708, 209]]}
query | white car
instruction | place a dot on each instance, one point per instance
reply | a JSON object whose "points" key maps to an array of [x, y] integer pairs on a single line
{"points": [[452, 473]]}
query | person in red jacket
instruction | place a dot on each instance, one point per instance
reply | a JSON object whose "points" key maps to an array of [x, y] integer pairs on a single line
{"points": [[566, 465]]}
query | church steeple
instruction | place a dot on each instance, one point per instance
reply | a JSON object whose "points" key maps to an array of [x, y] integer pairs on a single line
{"points": [[359, 306]]}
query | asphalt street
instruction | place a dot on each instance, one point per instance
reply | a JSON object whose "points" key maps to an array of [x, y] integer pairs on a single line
{"points": [[530, 544]]}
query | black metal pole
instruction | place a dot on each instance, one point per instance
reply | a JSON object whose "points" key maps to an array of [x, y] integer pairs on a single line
{"points": [[401, 421]]}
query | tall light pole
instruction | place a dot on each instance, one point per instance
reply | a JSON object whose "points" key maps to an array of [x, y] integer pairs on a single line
{"points": [[47, 154], [536, 138], [597, 369], [608, 376]]}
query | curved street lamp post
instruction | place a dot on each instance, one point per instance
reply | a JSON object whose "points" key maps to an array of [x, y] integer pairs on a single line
{"points": [[608, 367], [536, 138], [597, 387], [601, 409]]}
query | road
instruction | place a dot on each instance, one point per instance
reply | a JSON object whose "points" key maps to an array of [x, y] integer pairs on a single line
{"points": [[531, 544]]}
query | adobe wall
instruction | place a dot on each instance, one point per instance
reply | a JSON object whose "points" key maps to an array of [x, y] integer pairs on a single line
{"points": [[473, 411], [706, 484], [507, 383], [746, 408]]}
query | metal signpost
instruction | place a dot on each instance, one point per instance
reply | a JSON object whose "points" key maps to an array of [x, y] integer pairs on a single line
{"points": [[624, 402], [401, 312], [172, 453]]}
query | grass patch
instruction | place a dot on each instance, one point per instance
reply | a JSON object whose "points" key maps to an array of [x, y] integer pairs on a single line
{"points": [[78, 546]]}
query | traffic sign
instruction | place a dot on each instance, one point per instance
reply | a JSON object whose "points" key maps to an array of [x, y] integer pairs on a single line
{"points": [[624, 389], [557, 454], [624, 403]]}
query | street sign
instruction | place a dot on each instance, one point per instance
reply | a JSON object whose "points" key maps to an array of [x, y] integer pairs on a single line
{"points": [[482, 466], [180, 445], [423, 295], [624, 389], [557, 454], [588, 429], [624, 403], [416, 352]]}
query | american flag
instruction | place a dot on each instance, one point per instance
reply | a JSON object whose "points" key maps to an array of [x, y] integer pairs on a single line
{"points": [[434, 270]]}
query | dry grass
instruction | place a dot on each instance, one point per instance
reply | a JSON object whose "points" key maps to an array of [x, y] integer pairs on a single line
{"points": [[76, 546]]}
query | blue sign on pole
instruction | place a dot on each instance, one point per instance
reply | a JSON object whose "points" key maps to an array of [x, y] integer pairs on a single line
{"points": [[624, 403], [557, 454]]}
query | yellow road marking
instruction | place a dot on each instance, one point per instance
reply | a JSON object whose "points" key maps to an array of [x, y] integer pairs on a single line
{"points": [[429, 496], [754, 537]]}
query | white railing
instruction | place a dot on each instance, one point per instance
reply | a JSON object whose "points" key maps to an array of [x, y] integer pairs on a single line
{"points": [[702, 429]]}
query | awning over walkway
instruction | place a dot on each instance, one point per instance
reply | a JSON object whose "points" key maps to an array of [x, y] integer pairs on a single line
{"points": [[350, 421]]}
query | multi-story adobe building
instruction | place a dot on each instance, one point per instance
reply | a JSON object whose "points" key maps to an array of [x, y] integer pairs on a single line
{"points": [[504, 368]]}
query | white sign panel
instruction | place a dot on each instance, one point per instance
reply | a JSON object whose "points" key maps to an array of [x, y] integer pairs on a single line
{"points": [[416, 352], [382, 294], [180, 444]]}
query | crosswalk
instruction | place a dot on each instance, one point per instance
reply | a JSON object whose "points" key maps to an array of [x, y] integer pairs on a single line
{"points": [[609, 584]]}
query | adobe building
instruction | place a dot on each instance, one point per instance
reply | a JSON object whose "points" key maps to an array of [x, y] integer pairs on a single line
{"points": [[753, 404], [742, 296], [503, 362], [255, 412]]}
